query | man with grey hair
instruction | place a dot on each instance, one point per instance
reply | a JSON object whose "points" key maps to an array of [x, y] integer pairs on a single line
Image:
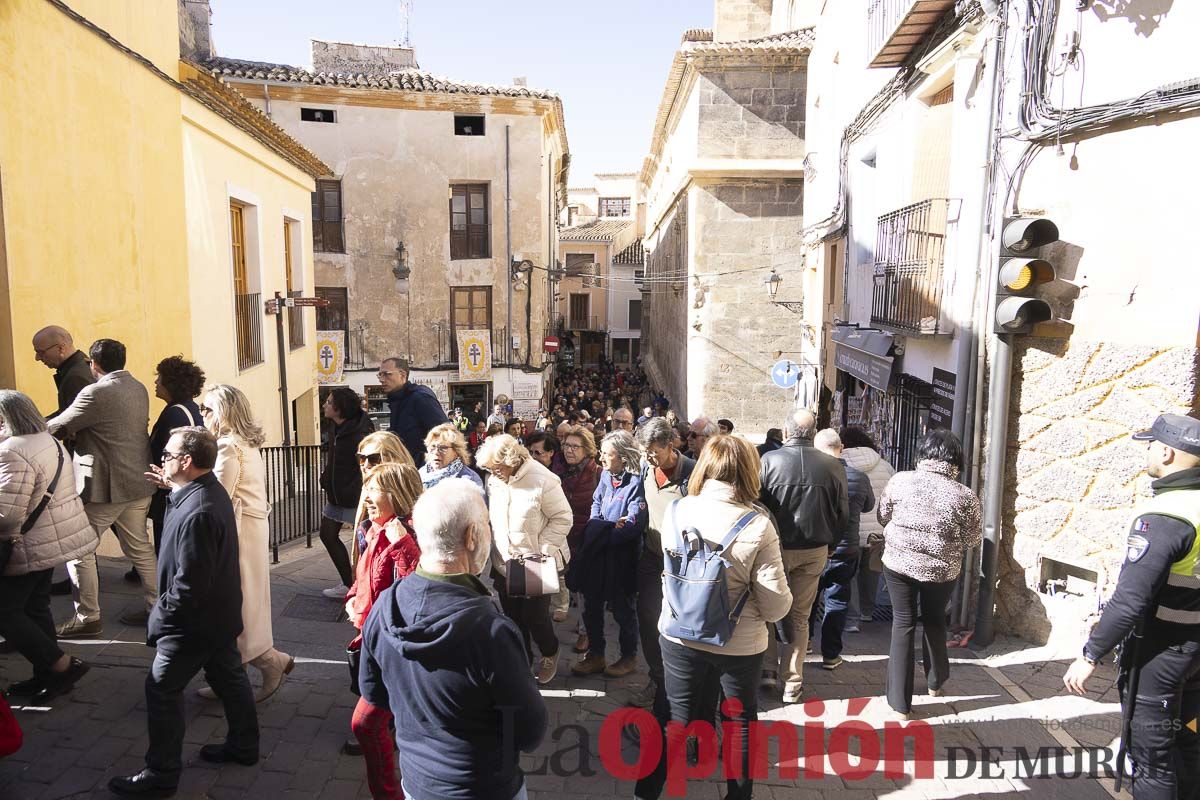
{"points": [[698, 433], [451, 667], [806, 493], [414, 408], [623, 420]]}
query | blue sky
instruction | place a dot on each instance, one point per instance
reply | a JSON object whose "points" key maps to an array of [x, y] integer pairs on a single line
{"points": [[607, 60]]}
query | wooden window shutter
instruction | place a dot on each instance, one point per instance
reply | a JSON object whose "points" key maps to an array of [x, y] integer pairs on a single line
{"points": [[459, 238], [477, 222], [237, 229], [327, 217]]}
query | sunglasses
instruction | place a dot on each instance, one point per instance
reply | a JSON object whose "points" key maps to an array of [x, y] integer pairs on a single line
{"points": [[374, 459], [204, 409]]}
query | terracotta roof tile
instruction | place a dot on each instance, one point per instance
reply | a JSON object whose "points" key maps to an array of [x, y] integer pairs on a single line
{"points": [[602, 230], [631, 255]]}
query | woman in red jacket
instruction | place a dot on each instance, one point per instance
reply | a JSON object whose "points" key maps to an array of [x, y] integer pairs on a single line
{"points": [[389, 494]]}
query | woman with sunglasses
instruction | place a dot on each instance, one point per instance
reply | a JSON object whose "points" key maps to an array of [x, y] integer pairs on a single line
{"points": [[446, 456], [341, 479], [380, 447]]}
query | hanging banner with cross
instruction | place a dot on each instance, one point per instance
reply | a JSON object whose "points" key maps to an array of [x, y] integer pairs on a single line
{"points": [[474, 355], [331, 356]]}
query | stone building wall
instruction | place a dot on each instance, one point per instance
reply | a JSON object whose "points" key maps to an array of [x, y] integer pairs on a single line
{"points": [[1073, 474], [744, 228], [752, 113], [664, 316]]}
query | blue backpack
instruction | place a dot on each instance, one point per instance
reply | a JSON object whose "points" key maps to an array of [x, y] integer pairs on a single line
{"points": [[695, 586]]}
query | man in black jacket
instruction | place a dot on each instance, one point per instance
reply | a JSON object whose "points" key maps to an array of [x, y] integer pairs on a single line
{"points": [[806, 493], [415, 409], [197, 619], [54, 347]]}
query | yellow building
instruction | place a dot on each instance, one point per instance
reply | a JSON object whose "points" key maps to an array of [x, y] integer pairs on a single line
{"points": [[142, 201]]}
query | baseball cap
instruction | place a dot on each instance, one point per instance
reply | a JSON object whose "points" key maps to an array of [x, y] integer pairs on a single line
{"points": [[1174, 430]]}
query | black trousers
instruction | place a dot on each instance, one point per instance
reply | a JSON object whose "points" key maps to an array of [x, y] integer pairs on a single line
{"points": [[330, 533], [158, 515], [697, 680], [909, 595], [532, 615], [26, 621], [1164, 751], [178, 660], [649, 609]]}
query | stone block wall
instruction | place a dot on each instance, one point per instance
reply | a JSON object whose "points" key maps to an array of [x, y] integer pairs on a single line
{"points": [[664, 315], [752, 113], [744, 228], [741, 19], [1073, 475]]}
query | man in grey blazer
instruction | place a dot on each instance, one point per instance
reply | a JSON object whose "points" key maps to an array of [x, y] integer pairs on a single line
{"points": [[109, 420]]}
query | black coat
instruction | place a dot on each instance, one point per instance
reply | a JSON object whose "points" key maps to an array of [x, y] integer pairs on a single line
{"points": [[806, 493], [199, 581], [342, 479], [415, 411], [70, 377]]}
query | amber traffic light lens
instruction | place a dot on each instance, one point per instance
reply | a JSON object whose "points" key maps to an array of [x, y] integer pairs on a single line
{"points": [[1021, 280]]}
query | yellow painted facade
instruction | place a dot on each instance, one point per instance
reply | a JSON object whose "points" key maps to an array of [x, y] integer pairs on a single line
{"points": [[115, 187]]}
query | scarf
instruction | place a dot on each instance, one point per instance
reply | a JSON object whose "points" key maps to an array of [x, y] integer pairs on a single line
{"points": [[430, 476]]}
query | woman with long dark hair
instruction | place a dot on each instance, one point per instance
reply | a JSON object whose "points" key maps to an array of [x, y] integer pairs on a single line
{"points": [[341, 479]]}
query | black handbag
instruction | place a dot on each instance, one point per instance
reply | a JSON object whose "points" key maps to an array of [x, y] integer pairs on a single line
{"points": [[8, 545], [353, 659]]}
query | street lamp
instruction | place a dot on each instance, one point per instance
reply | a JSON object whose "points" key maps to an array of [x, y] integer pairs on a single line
{"points": [[772, 282], [520, 270], [401, 270]]}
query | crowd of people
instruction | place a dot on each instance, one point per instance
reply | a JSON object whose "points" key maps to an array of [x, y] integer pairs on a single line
{"points": [[721, 562]]}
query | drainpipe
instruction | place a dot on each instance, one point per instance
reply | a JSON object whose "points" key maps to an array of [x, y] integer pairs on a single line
{"points": [[507, 354], [993, 485]]}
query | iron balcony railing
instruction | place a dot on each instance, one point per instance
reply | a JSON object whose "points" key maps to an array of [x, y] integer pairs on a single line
{"points": [[896, 27], [910, 246], [248, 328], [502, 352], [577, 322], [294, 493]]}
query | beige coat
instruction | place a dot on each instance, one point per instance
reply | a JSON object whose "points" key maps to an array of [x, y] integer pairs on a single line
{"points": [[241, 470], [754, 560], [62, 532], [530, 514]]}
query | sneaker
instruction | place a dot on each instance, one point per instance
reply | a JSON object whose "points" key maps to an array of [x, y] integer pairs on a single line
{"points": [[581, 644], [135, 619], [831, 663], [791, 694], [851, 628], [59, 683], [645, 697], [338, 592], [621, 668], [560, 616], [808, 650], [936, 692], [769, 681], [589, 665], [74, 629], [547, 669]]}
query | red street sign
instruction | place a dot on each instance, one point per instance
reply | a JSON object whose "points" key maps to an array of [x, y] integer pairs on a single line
{"points": [[550, 344]]}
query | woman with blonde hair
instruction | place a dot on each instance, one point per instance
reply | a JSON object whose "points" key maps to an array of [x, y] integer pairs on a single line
{"points": [[240, 468], [380, 447], [530, 515], [446, 456], [389, 493]]}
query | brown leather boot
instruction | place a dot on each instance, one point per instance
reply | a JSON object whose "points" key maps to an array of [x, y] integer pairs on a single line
{"points": [[621, 668], [589, 665], [581, 644]]}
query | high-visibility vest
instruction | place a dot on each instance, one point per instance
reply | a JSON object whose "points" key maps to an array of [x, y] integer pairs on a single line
{"points": [[1179, 599]]}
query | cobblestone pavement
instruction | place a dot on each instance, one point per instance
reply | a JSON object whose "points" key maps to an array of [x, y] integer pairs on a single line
{"points": [[1011, 699]]}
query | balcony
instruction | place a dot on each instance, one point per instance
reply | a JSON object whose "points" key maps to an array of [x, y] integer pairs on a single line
{"points": [[248, 314], [910, 246], [575, 322], [896, 27]]}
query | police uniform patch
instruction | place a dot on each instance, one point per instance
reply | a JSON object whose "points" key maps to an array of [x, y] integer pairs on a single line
{"points": [[1136, 546]]}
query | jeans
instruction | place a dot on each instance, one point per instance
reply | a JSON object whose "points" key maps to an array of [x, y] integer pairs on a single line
{"points": [[835, 585], [26, 621], [804, 569], [532, 615], [1165, 752], [697, 680], [626, 619], [128, 519], [906, 593], [177, 661]]}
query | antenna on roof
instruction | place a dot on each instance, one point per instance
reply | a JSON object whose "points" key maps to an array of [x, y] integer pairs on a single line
{"points": [[405, 20]]}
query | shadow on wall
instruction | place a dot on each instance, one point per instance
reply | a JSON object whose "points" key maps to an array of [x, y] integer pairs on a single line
{"points": [[1146, 15]]}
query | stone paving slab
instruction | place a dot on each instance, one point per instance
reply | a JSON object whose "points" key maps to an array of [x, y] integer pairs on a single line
{"points": [[1007, 701]]}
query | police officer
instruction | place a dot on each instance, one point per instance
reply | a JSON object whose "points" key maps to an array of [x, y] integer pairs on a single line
{"points": [[1158, 596]]}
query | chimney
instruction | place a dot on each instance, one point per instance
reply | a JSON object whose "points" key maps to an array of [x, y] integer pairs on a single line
{"points": [[195, 30], [734, 20], [340, 57]]}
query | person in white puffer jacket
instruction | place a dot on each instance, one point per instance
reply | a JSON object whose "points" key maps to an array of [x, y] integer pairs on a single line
{"points": [[60, 532], [860, 452]]}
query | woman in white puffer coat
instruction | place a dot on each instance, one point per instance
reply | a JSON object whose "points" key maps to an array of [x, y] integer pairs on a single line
{"points": [[859, 451], [40, 540]]}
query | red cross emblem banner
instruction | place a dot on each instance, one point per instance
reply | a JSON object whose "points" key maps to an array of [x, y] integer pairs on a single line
{"points": [[474, 355]]}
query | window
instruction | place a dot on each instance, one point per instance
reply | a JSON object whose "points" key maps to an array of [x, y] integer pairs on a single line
{"points": [[468, 124], [336, 315], [318, 115], [614, 206], [247, 309], [620, 351], [470, 231], [635, 315], [580, 264], [327, 217], [572, 213], [580, 305], [470, 310], [294, 279]]}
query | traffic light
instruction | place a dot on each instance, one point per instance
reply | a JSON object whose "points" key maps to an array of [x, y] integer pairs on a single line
{"points": [[1018, 308]]}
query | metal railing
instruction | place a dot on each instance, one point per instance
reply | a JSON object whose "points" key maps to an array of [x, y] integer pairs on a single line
{"points": [[576, 322], [295, 324], [355, 350], [448, 346], [294, 493], [910, 247], [248, 328], [906, 414]]}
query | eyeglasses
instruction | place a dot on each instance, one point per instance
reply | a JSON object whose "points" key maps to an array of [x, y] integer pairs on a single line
{"points": [[438, 448], [384, 373], [621, 423], [692, 435], [572, 447], [536, 453], [43, 350], [204, 409], [373, 459], [167, 455]]}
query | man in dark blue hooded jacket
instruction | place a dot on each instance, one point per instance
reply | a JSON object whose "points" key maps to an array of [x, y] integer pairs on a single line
{"points": [[452, 668]]}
